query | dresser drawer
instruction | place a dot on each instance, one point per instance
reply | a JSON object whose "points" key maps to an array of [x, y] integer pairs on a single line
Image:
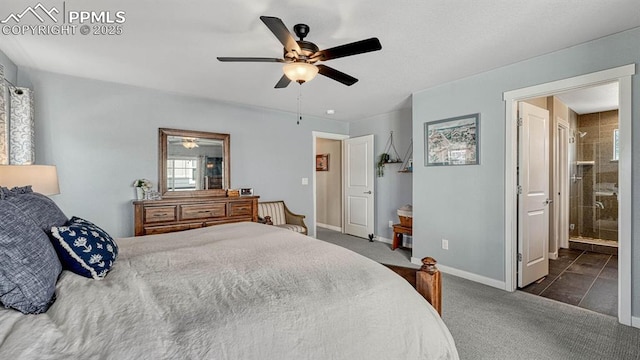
{"points": [[163, 229], [159, 214], [240, 208], [202, 211], [177, 214]]}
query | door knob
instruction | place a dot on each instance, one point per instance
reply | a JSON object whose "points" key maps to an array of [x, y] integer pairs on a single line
{"points": [[548, 201], [367, 192]]}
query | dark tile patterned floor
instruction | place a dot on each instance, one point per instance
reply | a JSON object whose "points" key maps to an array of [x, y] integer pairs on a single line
{"points": [[582, 278]]}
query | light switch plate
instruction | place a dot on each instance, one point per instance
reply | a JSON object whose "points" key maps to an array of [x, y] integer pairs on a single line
{"points": [[305, 181]]}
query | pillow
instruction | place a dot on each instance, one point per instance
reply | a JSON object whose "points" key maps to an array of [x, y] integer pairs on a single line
{"points": [[84, 248], [40, 208], [29, 266], [5, 192]]}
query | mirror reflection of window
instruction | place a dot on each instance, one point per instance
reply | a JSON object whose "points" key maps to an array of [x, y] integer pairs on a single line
{"points": [[182, 174]]}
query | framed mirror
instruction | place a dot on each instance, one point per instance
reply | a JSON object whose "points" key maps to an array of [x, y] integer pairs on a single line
{"points": [[193, 163]]}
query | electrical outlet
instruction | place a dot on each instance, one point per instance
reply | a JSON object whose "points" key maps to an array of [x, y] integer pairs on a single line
{"points": [[390, 224], [445, 244], [572, 226]]}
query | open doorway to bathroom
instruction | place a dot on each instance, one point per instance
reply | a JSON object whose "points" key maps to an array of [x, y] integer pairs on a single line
{"points": [[583, 218]]}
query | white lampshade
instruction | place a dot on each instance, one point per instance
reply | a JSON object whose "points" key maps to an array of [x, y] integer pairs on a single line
{"points": [[300, 71], [42, 178]]}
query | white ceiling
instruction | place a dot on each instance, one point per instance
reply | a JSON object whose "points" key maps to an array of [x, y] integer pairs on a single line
{"points": [[592, 99], [172, 45]]}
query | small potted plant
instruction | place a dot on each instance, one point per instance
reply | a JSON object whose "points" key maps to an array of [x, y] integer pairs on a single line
{"points": [[142, 186], [384, 158]]}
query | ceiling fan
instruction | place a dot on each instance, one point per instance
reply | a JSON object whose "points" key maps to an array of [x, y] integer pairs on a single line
{"points": [[300, 57]]}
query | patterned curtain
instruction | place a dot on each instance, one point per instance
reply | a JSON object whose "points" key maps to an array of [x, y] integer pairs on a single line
{"points": [[22, 148], [4, 125]]}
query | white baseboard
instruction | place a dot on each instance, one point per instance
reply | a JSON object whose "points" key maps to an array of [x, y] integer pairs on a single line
{"points": [[384, 240], [553, 256], [635, 322], [330, 227], [467, 275]]}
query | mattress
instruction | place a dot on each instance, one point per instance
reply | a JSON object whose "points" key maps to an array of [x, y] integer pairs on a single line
{"points": [[234, 291]]}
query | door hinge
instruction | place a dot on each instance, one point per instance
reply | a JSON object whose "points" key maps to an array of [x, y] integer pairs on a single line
{"points": [[519, 256], [519, 121], [519, 189]]}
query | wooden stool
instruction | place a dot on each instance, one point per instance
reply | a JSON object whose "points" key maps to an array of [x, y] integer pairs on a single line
{"points": [[398, 231]]}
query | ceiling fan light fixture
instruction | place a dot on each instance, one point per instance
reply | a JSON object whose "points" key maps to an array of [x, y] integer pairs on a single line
{"points": [[300, 71], [189, 143]]}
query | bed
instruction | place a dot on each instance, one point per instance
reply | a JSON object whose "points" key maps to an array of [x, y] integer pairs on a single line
{"points": [[234, 291]]}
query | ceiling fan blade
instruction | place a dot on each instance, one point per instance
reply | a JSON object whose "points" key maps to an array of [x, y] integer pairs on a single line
{"points": [[354, 48], [336, 75], [248, 59], [278, 28], [283, 83]]}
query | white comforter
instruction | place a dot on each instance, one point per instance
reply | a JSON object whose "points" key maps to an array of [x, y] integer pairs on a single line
{"points": [[236, 291]]}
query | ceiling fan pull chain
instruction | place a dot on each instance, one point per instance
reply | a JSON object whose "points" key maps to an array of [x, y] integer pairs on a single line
{"points": [[299, 104]]}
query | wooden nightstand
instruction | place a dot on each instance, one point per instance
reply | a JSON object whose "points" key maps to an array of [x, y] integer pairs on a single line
{"points": [[398, 232]]}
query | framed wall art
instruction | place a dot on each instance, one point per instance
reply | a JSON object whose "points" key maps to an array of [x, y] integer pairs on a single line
{"points": [[452, 141], [322, 162]]}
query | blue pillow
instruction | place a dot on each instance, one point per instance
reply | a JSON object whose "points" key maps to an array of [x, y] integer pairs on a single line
{"points": [[29, 266], [84, 248], [40, 208]]}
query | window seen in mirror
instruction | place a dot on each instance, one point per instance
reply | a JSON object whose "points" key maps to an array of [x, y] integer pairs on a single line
{"points": [[181, 174]]}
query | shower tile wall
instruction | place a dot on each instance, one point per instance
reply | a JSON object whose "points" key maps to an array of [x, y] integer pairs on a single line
{"points": [[593, 199]]}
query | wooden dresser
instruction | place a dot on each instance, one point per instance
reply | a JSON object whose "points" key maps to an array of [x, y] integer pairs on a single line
{"points": [[169, 215]]}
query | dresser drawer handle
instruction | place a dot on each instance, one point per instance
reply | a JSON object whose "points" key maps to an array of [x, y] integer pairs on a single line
{"points": [[204, 211], [158, 215]]}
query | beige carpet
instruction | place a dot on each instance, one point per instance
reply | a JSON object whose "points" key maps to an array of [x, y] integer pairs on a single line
{"points": [[488, 323]]}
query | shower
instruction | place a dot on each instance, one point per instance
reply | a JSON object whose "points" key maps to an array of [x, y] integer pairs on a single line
{"points": [[594, 180]]}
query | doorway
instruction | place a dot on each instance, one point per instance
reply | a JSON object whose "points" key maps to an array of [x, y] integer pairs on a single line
{"points": [[325, 143], [622, 76], [583, 262], [329, 184], [357, 196]]}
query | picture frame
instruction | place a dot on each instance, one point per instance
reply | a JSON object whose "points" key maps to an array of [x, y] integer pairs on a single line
{"points": [[322, 162], [452, 141], [152, 195], [246, 192]]}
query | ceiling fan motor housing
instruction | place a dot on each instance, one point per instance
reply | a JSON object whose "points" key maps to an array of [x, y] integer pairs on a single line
{"points": [[308, 48]]}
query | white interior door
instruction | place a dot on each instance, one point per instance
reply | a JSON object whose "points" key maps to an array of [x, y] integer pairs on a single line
{"points": [[533, 199], [359, 193]]}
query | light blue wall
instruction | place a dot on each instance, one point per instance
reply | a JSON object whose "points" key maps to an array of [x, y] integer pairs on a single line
{"points": [[465, 204], [10, 69], [394, 189], [102, 136]]}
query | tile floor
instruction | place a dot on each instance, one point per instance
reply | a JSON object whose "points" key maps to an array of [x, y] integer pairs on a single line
{"points": [[582, 278]]}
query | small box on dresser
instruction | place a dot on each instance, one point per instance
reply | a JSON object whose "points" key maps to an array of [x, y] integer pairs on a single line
{"points": [[169, 215]]}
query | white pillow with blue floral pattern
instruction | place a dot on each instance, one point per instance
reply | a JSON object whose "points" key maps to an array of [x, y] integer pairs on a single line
{"points": [[84, 248]]}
